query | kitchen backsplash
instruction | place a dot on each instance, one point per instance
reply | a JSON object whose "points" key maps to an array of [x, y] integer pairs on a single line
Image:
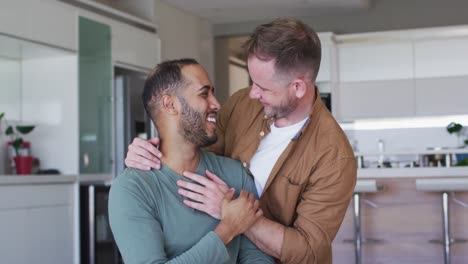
{"points": [[401, 139]]}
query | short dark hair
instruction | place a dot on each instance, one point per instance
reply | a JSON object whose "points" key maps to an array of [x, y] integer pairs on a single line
{"points": [[165, 79], [292, 44]]}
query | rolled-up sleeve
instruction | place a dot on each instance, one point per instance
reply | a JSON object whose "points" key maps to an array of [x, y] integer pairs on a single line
{"points": [[320, 212]]}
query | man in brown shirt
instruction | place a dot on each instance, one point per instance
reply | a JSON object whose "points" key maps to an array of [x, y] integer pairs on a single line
{"points": [[304, 183]]}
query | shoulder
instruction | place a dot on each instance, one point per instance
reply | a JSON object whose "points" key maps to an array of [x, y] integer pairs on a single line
{"points": [[330, 134], [134, 182], [132, 176], [222, 162]]}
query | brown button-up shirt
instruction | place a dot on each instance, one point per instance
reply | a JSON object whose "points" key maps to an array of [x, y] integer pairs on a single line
{"points": [[311, 183]]}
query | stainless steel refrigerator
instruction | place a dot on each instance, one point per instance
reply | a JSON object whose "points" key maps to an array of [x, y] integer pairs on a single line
{"points": [[129, 121]]}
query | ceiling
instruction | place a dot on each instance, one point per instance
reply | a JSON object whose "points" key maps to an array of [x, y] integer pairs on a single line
{"points": [[235, 11]]}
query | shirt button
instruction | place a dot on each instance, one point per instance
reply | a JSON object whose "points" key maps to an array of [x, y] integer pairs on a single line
{"points": [[262, 133], [244, 164]]}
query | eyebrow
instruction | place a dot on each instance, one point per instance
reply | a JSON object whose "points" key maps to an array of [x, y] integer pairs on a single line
{"points": [[207, 87], [260, 86]]}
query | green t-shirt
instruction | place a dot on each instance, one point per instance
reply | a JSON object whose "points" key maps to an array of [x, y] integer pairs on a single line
{"points": [[151, 224]]}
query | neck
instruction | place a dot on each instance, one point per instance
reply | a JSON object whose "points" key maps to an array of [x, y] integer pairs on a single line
{"points": [[302, 111], [179, 155]]}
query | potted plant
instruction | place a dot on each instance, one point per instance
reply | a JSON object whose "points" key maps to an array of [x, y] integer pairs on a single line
{"points": [[23, 163], [457, 129], [462, 159]]}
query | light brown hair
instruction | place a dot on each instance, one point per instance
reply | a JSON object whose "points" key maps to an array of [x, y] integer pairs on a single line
{"points": [[293, 45]]}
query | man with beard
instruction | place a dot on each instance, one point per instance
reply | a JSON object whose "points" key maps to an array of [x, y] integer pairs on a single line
{"points": [[147, 217], [300, 158]]}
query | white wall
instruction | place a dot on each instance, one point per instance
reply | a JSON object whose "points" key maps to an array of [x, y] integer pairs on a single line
{"points": [[238, 78], [10, 89], [50, 101], [184, 35], [10, 101]]}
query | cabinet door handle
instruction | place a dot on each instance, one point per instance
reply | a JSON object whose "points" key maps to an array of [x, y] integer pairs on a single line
{"points": [[86, 160]]}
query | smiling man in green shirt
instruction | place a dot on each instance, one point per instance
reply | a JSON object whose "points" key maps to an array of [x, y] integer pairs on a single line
{"points": [[147, 215]]}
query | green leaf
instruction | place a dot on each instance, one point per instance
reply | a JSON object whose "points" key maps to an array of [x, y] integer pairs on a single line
{"points": [[17, 143], [463, 162], [1, 116], [24, 129], [9, 131], [454, 127]]}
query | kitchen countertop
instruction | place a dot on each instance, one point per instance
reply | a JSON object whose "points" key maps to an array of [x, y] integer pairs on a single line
{"points": [[371, 173], [37, 179], [416, 173], [83, 179], [422, 152], [89, 179]]}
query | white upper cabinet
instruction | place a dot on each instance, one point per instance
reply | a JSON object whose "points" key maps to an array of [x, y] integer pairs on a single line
{"points": [[441, 57], [134, 46], [442, 96], [44, 21], [328, 61], [368, 61], [53, 23], [11, 22], [376, 99], [324, 74]]}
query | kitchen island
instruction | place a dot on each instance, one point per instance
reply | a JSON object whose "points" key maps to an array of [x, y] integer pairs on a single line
{"points": [[402, 223]]}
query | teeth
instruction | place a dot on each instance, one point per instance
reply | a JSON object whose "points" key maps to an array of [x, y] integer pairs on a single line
{"points": [[211, 119]]}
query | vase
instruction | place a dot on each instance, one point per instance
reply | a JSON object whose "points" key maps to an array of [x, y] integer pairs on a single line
{"points": [[23, 165]]}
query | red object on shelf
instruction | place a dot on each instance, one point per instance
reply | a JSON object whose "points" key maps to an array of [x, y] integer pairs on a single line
{"points": [[23, 165]]}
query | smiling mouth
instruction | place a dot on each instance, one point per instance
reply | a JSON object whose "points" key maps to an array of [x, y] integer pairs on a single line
{"points": [[211, 119]]}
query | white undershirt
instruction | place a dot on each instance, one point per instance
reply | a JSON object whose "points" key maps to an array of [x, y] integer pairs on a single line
{"points": [[269, 150]]}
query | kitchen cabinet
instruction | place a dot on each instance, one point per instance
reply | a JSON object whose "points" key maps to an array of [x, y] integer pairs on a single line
{"points": [[11, 22], [134, 46], [95, 106], [376, 99], [329, 60], [441, 96], [377, 60], [44, 21], [53, 23], [441, 57], [402, 74], [38, 222]]}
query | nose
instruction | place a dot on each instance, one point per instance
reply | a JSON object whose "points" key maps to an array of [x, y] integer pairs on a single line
{"points": [[254, 92], [214, 104]]}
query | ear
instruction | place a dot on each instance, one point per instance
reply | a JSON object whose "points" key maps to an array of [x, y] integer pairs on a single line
{"points": [[168, 104], [300, 88]]}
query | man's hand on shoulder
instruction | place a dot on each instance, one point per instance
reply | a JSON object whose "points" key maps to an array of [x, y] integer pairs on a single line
{"points": [[143, 154]]}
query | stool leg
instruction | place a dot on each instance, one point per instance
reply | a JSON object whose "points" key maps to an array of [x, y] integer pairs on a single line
{"points": [[445, 215], [357, 228]]}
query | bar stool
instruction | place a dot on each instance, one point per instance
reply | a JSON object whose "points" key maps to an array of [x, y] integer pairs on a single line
{"points": [[362, 186], [444, 186]]}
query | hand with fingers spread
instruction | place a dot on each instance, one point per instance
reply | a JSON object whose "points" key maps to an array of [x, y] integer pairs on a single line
{"points": [[237, 215], [206, 196], [143, 154]]}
